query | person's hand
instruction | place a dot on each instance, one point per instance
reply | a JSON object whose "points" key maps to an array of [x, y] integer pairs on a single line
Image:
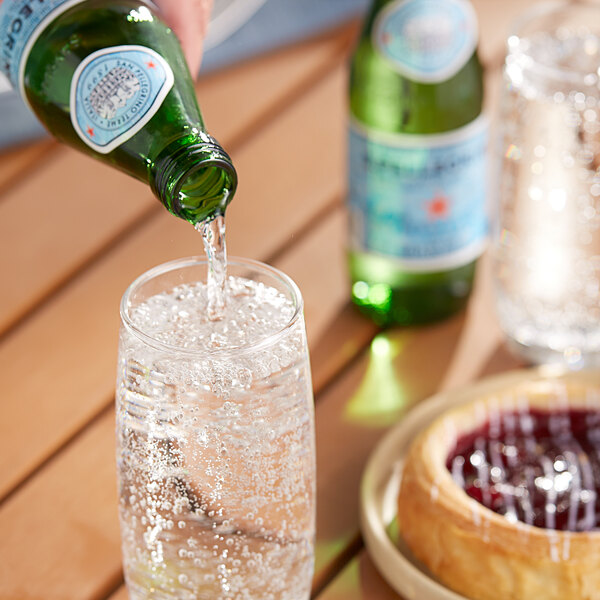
{"points": [[189, 20]]}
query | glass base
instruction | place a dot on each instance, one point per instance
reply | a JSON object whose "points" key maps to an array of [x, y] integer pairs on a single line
{"points": [[572, 358]]}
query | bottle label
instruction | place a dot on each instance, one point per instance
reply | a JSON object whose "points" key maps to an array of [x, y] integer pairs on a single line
{"points": [[426, 40], [21, 23], [115, 92], [420, 199]]}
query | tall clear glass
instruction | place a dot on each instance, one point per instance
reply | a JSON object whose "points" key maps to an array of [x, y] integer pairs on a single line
{"points": [[547, 242], [215, 437]]}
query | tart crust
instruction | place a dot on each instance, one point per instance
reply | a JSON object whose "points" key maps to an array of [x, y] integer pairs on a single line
{"points": [[475, 551]]}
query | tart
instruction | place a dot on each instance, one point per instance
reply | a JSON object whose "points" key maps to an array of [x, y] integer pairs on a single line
{"points": [[500, 497]]}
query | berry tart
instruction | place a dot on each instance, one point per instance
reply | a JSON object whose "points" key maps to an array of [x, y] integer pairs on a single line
{"points": [[500, 497]]}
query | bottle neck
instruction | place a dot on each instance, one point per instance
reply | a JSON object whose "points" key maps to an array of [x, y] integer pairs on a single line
{"points": [[194, 178]]}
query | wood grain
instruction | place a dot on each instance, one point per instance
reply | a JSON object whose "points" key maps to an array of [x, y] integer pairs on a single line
{"points": [[56, 222], [359, 581], [238, 101], [60, 533], [21, 162]]}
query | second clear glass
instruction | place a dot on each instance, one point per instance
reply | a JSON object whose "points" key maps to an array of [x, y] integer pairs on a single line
{"points": [[547, 241]]}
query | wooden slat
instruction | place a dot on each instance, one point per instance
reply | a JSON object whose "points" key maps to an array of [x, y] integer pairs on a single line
{"points": [[120, 594], [335, 329], [56, 221], [496, 21], [325, 289], [279, 182], [20, 162], [403, 367], [80, 370], [60, 533], [223, 94], [91, 204], [481, 331], [345, 338], [359, 580]]}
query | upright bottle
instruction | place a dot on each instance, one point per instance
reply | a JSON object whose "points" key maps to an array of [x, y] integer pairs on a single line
{"points": [[417, 160], [108, 77]]}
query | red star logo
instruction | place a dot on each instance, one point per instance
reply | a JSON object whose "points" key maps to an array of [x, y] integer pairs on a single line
{"points": [[90, 131], [438, 207], [150, 64]]}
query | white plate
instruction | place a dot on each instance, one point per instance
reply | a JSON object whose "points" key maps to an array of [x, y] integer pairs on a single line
{"points": [[381, 483]]}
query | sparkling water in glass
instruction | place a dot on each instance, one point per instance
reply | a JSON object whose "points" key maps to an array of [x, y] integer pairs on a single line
{"points": [[546, 246], [215, 437]]}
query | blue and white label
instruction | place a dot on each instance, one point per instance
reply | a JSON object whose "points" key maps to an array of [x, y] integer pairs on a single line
{"points": [[420, 199], [115, 92], [21, 23], [426, 40]]}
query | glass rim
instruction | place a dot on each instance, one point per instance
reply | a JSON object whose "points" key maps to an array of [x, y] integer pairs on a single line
{"points": [[195, 261], [540, 10]]}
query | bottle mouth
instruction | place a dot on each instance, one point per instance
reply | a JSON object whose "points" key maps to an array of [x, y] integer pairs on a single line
{"points": [[196, 181]]}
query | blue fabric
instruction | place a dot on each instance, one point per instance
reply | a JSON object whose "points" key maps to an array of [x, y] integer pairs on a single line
{"points": [[276, 23], [17, 124], [280, 22]]}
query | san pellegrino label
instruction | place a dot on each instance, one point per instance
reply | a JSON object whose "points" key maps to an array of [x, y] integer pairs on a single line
{"points": [[21, 23], [426, 40], [419, 199], [115, 92]]}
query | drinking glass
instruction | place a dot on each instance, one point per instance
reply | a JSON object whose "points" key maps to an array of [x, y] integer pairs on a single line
{"points": [[215, 437], [546, 245]]}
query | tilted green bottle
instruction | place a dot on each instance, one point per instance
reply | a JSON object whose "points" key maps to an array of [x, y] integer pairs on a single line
{"points": [[417, 158], [109, 78]]}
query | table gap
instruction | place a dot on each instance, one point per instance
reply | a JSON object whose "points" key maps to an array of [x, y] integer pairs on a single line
{"points": [[69, 277], [347, 33], [37, 153], [54, 455]]}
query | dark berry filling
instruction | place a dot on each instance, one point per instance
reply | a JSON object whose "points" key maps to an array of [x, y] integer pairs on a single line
{"points": [[541, 468]]}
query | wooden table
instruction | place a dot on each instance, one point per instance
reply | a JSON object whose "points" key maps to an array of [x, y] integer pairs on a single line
{"points": [[75, 233]]}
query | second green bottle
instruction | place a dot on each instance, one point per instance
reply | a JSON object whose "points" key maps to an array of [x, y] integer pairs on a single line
{"points": [[417, 160]]}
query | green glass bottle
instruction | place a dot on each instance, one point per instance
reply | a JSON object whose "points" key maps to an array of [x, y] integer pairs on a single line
{"points": [[109, 78], [417, 160]]}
